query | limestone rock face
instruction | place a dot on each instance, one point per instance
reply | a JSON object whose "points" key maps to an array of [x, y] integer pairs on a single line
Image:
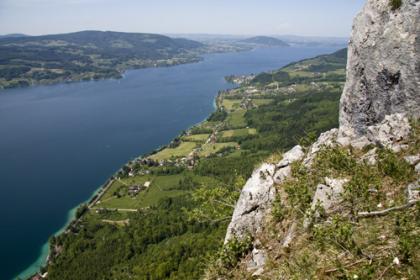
{"points": [[258, 194], [390, 132], [293, 155], [383, 68]]}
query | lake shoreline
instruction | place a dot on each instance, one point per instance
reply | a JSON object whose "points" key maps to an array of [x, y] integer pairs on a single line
{"points": [[120, 76], [215, 67], [71, 221]]}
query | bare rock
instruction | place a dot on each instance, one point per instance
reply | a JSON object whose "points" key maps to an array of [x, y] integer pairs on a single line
{"points": [[383, 66], [326, 139], [258, 195], [291, 156], [413, 191], [254, 201], [417, 168], [284, 170], [327, 196], [360, 142], [291, 232], [412, 160], [390, 132], [370, 157], [257, 262], [282, 174]]}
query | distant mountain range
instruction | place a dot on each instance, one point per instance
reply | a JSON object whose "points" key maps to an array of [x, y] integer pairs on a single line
{"points": [[139, 45], [86, 55], [14, 35], [293, 40], [265, 41]]}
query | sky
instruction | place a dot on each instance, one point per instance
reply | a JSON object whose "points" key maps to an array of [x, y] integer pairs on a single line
{"points": [[332, 18]]}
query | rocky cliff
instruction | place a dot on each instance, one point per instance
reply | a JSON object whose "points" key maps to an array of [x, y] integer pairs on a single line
{"points": [[321, 210], [383, 65]]}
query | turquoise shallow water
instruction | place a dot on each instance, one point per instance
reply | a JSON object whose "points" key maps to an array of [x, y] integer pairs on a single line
{"points": [[59, 143]]}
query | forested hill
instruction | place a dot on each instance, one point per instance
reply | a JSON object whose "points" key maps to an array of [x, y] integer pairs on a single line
{"points": [[139, 45], [318, 68], [86, 55], [265, 40]]}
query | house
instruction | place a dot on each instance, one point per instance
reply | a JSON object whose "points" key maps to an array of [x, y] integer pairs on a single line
{"points": [[134, 190], [147, 184]]}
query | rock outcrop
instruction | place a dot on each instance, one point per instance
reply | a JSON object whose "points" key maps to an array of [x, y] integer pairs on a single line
{"points": [[258, 194], [383, 66]]}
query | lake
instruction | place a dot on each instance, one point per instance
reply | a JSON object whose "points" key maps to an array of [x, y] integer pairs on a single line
{"points": [[59, 143]]}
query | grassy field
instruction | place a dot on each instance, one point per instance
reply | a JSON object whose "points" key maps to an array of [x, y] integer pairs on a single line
{"points": [[303, 74], [236, 119], [209, 149], [238, 132], [231, 104], [261, 102], [196, 138], [181, 151], [161, 187]]}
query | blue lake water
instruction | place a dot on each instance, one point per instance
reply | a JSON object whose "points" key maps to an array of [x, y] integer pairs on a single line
{"points": [[59, 143]]}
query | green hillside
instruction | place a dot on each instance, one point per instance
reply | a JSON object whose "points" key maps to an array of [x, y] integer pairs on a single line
{"points": [[86, 55]]}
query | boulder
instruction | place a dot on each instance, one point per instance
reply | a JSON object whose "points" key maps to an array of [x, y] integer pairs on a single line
{"points": [[412, 160], [282, 174], [413, 191], [327, 196], [370, 157], [291, 156]]}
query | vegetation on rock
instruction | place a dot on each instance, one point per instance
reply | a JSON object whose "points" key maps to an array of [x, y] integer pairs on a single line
{"points": [[395, 4]]}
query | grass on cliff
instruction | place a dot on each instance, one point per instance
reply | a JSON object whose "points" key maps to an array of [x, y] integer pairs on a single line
{"points": [[344, 245]]}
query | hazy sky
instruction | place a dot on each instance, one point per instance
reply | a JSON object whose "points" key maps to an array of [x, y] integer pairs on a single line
{"points": [[246, 17]]}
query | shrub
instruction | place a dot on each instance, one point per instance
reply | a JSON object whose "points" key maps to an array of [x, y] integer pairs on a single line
{"points": [[338, 232], [234, 250], [395, 4], [278, 211], [335, 159], [390, 165]]}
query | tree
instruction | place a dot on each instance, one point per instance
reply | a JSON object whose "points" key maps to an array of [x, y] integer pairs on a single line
{"points": [[215, 204]]}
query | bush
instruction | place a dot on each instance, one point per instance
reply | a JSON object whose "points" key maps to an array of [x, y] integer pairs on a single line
{"points": [[234, 250], [395, 4], [390, 165], [338, 232], [278, 211]]}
